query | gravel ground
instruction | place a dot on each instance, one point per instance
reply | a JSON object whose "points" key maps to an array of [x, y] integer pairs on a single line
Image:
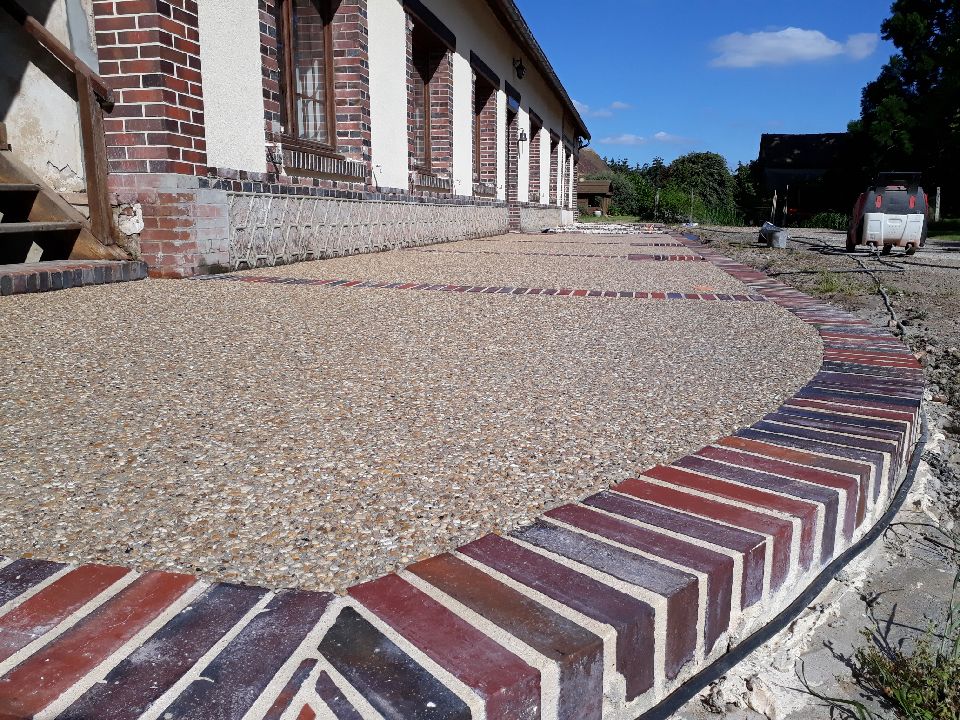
{"points": [[450, 266], [311, 437]]}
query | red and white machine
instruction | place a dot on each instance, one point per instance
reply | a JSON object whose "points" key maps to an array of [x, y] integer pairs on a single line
{"points": [[892, 213]]}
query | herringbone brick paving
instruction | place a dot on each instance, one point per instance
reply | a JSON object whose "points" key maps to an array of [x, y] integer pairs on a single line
{"points": [[596, 611]]}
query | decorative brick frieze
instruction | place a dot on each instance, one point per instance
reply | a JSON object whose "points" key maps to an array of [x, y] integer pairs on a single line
{"points": [[150, 54], [267, 229]]}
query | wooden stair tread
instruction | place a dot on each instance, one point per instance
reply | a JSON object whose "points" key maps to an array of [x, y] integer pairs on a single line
{"points": [[19, 228]]}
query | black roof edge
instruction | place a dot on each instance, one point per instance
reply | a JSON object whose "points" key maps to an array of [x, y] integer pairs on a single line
{"points": [[522, 30]]}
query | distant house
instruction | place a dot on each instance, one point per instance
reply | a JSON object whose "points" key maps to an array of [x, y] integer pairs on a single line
{"points": [[804, 163], [594, 195]]}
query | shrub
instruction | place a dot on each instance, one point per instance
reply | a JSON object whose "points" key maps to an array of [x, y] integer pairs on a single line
{"points": [[828, 221]]}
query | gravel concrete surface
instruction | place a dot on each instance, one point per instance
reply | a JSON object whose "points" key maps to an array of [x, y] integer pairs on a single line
{"points": [[303, 436], [534, 271]]}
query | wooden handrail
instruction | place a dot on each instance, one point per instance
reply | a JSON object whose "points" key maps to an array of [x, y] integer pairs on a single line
{"points": [[60, 51], [94, 97]]}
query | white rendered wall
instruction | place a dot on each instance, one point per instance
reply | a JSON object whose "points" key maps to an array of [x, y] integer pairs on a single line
{"points": [[462, 125], [41, 116], [387, 26], [232, 84]]}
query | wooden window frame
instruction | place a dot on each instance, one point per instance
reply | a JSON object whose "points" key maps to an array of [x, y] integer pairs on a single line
{"points": [[290, 136], [426, 168]]}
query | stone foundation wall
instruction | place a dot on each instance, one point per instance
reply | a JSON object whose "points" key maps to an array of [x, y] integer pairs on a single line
{"points": [[537, 218], [280, 229]]}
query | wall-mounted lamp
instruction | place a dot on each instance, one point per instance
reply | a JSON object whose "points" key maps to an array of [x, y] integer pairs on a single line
{"points": [[519, 68], [523, 137]]}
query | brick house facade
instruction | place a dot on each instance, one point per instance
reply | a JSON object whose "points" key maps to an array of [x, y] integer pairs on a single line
{"points": [[262, 132]]}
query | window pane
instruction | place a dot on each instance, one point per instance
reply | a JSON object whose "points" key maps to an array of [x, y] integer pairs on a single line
{"points": [[421, 90], [310, 69]]}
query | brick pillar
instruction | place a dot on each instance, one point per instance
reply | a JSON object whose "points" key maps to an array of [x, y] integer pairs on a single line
{"points": [[149, 52], [487, 170], [513, 160], [554, 170], [441, 116], [352, 79], [535, 152]]}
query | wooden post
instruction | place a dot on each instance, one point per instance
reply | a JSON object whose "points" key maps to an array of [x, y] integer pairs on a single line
{"points": [[94, 159], [936, 206]]}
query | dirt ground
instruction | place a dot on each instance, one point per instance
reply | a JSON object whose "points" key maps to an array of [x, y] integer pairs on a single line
{"points": [[899, 588]]}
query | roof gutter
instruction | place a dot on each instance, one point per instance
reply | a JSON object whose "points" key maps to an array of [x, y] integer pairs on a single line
{"points": [[507, 10]]}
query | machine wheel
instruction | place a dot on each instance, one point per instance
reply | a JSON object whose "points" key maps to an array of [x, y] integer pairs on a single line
{"points": [[851, 241], [887, 249], [911, 249]]}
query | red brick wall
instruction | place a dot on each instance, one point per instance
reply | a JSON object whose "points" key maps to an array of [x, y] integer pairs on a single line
{"points": [[536, 135], [150, 54], [441, 114], [513, 163], [436, 69], [554, 169], [487, 171], [352, 79]]}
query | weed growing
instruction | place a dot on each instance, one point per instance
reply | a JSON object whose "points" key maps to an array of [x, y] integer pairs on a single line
{"points": [[921, 682]]}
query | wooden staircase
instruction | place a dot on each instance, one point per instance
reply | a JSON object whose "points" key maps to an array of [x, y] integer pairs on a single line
{"points": [[24, 241], [46, 243]]}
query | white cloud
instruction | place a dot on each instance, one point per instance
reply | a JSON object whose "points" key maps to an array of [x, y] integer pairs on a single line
{"points": [[604, 112], [862, 45], [671, 139], [784, 47], [625, 139], [631, 139]]}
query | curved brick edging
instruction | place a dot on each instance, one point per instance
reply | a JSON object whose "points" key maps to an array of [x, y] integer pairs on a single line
{"points": [[597, 611]]}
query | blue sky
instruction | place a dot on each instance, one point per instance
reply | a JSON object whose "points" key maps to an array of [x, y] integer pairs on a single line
{"points": [[665, 78]]}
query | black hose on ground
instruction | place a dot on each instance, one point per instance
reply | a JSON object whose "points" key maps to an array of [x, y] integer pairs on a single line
{"points": [[702, 680]]}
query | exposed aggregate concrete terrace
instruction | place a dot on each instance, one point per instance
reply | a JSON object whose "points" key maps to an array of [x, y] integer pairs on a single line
{"points": [[295, 435]]}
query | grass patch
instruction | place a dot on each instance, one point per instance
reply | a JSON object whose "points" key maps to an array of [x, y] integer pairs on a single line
{"points": [[918, 680], [946, 229], [832, 284]]}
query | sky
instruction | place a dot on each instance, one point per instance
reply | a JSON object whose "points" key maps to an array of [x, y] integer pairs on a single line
{"points": [[664, 78]]}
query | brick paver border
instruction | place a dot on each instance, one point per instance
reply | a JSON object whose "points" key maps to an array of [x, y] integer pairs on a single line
{"points": [[483, 289], [597, 611], [39, 277]]}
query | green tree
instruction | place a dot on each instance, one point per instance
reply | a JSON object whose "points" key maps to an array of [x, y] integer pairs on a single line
{"points": [[910, 115], [707, 175]]}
